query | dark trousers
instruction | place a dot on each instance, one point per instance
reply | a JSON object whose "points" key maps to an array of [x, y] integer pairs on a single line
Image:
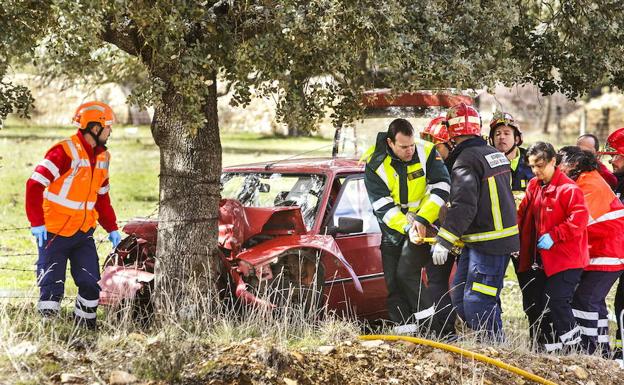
{"points": [[619, 308], [476, 291], [560, 325], [590, 309], [439, 289], [532, 284], [408, 298], [81, 252]]}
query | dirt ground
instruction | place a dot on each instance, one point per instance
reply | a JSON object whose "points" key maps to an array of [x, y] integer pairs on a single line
{"points": [[377, 362], [259, 362]]}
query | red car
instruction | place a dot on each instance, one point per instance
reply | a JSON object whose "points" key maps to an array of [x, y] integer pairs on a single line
{"points": [[304, 229]]}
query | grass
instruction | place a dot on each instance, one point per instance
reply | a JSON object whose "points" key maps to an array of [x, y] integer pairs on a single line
{"points": [[134, 183]]}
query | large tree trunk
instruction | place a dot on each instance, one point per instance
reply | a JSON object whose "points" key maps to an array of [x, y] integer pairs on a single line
{"points": [[190, 169]]}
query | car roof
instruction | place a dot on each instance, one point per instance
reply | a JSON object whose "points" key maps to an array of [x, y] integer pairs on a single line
{"points": [[325, 165]]}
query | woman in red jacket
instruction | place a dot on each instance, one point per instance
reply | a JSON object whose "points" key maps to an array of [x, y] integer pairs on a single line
{"points": [[552, 219], [606, 247]]}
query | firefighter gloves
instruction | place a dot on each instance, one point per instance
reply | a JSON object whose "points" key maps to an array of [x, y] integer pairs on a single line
{"points": [[439, 254]]}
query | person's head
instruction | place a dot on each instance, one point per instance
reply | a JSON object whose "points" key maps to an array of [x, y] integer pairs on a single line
{"points": [[94, 119], [588, 142], [572, 161], [542, 160], [463, 122], [437, 133], [505, 134], [615, 148], [401, 139]]}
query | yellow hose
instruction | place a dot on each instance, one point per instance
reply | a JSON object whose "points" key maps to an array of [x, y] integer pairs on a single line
{"points": [[463, 352]]}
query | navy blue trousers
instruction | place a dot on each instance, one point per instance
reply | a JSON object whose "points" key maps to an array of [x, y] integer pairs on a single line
{"points": [[79, 249], [590, 309], [476, 291]]}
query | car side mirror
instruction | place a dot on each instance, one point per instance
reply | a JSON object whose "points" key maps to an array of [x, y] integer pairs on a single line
{"points": [[346, 225]]}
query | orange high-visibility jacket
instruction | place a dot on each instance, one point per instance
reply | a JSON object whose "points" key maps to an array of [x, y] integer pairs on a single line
{"points": [[606, 223], [69, 201]]}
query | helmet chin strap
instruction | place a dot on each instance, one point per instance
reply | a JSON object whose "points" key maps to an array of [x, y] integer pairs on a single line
{"points": [[98, 141], [511, 149]]}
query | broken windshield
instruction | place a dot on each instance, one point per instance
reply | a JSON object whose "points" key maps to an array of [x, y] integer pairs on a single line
{"points": [[273, 189]]}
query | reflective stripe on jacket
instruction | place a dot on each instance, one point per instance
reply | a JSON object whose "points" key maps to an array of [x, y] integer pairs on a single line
{"points": [[521, 173], [396, 187], [69, 200], [482, 209], [606, 223]]}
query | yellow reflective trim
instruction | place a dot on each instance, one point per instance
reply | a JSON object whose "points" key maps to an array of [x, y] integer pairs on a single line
{"points": [[452, 238], [484, 289], [496, 212], [490, 235], [618, 343]]}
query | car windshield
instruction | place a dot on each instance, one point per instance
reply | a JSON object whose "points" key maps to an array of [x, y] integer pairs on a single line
{"points": [[273, 189]]}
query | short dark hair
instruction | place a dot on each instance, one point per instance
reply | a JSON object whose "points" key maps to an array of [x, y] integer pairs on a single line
{"points": [[579, 160], [400, 125], [594, 137], [542, 150]]}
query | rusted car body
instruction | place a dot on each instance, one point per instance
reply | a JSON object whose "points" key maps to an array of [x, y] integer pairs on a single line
{"points": [[305, 223]]}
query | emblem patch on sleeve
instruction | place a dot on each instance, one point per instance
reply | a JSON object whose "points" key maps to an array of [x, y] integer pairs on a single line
{"points": [[496, 159]]}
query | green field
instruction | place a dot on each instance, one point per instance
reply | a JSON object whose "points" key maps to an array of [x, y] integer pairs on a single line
{"points": [[134, 185]]}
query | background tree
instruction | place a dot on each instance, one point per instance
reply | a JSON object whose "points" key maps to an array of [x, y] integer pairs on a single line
{"points": [[326, 51]]}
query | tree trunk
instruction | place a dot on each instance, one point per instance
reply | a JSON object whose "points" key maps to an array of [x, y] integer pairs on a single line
{"points": [[190, 169], [548, 111]]}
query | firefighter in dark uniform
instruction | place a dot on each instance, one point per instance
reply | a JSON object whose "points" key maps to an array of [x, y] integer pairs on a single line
{"points": [[482, 215], [407, 183]]}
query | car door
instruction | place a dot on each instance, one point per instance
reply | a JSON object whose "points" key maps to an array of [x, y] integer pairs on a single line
{"points": [[361, 251]]}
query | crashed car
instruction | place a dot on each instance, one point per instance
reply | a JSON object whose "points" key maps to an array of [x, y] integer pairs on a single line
{"points": [[299, 230]]}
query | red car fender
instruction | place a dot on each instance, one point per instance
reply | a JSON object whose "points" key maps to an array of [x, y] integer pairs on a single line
{"points": [[266, 251]]}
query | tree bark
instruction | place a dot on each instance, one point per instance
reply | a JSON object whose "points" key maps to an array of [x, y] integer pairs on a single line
{"points": [[190, 169]]}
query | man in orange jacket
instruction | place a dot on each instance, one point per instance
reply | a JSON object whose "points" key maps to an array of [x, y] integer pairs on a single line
{"points": [[65, 196]]}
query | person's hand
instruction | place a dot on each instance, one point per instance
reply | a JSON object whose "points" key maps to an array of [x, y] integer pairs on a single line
{"points": [[40, 233], [439, 254], [114, 237], [417, 232], [545, 242]]}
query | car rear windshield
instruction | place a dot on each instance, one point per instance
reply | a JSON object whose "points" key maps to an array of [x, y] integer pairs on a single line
{"points": [[274, 189]]}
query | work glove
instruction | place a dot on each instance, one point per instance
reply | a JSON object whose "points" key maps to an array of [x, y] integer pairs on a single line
{"points": [[545, 242], [40, 233], [439, 254], [114, 237]]}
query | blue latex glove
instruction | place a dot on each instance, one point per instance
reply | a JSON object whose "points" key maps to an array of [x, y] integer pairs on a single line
{"points": [[40, 233], [545, 242], [114, 237]]}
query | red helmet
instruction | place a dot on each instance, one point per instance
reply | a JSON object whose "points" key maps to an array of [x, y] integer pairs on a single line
{"points": [[615, 143], [504, 119], [93, 112], [436, 131], [463, 119]]}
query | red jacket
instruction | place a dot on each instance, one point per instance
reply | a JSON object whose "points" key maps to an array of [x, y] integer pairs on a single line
{"points": [[558, 209], [56, 163], [606, 223]]}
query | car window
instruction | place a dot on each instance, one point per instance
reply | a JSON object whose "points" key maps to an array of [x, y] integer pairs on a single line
{"points": [[274, 189], [354, 203]]}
